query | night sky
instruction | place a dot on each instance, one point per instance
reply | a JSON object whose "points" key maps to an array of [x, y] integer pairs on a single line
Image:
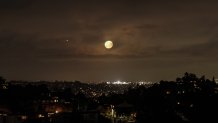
{"points": [[64, 40]]}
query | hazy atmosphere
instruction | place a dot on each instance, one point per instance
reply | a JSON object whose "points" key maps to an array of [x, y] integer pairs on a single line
{"points": [[64, 40]]}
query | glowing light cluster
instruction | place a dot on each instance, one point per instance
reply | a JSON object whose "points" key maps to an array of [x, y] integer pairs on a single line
{"points": [[126, 83], [119, 83]]}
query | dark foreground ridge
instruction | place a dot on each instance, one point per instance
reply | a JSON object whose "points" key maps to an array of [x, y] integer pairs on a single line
{"points": [[186, 100]]}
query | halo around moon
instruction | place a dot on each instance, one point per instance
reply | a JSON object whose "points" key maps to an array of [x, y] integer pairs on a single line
{"points": [[108, 44]]}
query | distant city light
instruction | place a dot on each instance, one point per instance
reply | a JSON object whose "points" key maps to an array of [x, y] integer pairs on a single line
{"points": [[23, 117], [168, 92], [41, 116], [126, 83], [55, 100]]}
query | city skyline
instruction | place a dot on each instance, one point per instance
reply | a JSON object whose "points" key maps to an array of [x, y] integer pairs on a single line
{"points": [[64, 40]]}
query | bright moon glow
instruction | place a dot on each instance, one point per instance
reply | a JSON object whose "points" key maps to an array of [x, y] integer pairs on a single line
{"points": [[108, 44]]}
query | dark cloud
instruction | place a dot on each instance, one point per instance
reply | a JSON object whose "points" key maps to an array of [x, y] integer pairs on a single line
{"points": [[205, 50]]}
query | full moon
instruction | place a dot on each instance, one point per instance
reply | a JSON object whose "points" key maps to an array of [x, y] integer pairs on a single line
{"points": [[108, 44]]}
